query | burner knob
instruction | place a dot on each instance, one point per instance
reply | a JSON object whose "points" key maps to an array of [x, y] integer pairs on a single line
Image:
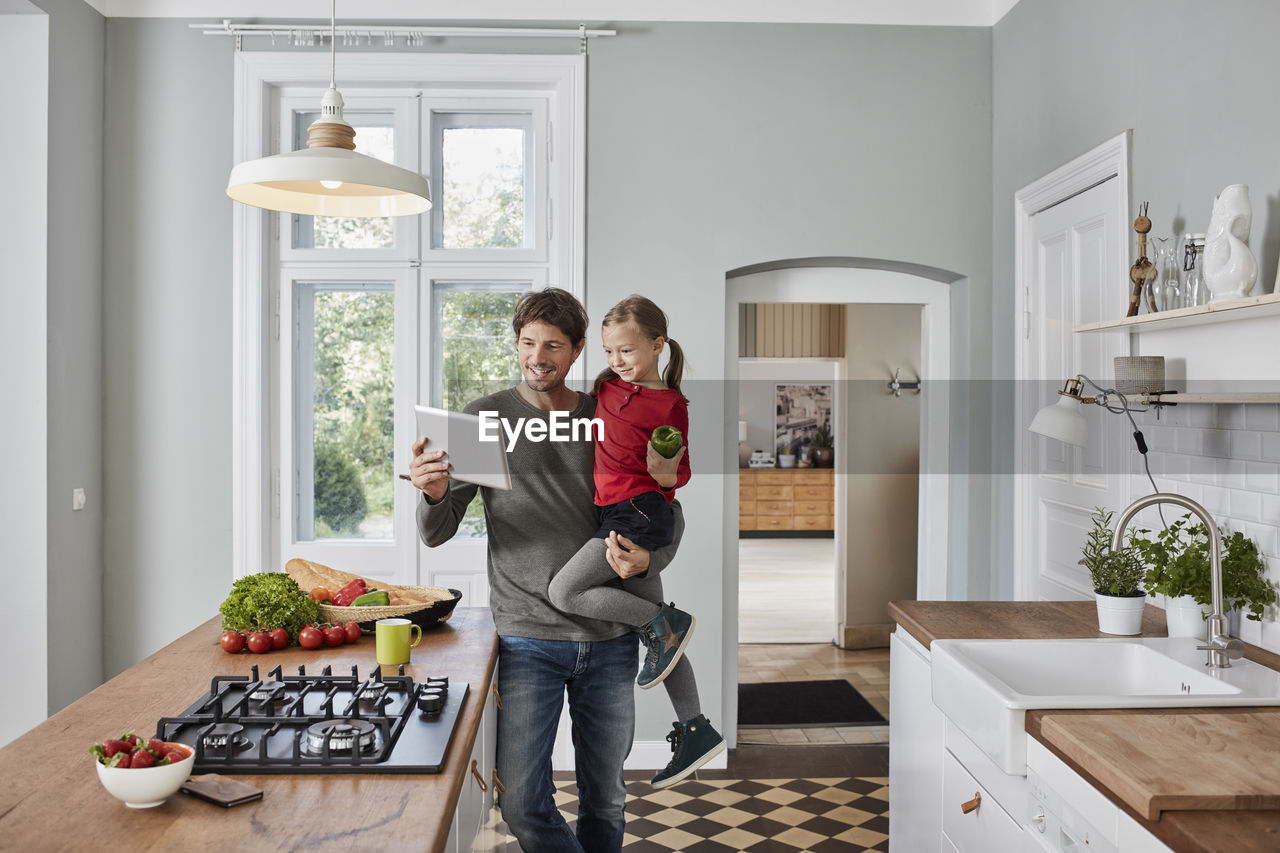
{"points": [[430, 701]]}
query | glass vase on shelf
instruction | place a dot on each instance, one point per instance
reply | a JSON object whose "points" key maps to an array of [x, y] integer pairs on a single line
{"points": [[1167, 273], [1153, 290], [1194, 291]]}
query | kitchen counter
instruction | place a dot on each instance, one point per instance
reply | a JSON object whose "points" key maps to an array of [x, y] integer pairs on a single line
{"points": [[52, 798], [1222, 831]]}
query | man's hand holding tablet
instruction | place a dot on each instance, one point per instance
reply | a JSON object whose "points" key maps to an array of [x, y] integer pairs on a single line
{"points": [[429, 470], [449, 446]]}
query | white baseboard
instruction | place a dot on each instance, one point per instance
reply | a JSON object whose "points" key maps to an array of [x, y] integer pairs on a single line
{"points": [[645, 755]]}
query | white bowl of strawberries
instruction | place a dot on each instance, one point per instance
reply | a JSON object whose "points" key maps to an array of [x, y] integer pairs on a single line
{"points": [[142, 773]]}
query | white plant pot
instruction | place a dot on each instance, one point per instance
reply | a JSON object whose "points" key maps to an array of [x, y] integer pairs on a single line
{"points": [[1186, 618], [1120, 614]]}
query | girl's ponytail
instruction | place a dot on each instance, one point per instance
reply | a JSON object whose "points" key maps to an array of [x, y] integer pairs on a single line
{"points": [[675, 367]]}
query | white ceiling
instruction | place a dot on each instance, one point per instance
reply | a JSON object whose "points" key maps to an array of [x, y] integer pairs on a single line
{"points": [[970, 13]]}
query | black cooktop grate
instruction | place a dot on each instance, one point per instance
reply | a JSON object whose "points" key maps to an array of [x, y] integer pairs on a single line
{"points": [[313, 723]]}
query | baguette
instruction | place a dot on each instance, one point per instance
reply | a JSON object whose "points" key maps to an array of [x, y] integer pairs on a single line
{"points": [[309, 575]]}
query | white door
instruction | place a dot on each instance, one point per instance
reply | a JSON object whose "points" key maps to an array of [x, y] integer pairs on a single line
{"points": [[1073, 257]]}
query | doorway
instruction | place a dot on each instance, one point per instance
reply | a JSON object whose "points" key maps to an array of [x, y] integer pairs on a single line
{"points": [[853, 282]]}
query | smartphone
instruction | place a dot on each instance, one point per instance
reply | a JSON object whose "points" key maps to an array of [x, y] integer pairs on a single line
{"points": [[221, 790]]}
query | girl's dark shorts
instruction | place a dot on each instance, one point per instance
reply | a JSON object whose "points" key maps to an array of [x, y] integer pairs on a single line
{"points": [[646, 519]]}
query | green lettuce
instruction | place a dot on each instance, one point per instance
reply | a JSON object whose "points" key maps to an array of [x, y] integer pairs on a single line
{"points": [[268, 600]]}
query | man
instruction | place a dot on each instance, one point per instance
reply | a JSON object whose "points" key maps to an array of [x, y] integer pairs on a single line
{"points": [[533, 530]]}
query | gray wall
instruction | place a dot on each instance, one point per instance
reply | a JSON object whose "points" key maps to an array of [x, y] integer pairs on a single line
{"points": [[75, 380], [1196, 83], [166, 333], [883, 462], [710, 147]]}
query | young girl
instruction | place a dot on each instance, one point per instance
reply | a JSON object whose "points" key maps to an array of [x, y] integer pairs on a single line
{"points": [[635, 485]]}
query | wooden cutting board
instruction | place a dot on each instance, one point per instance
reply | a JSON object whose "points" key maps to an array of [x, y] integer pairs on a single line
{"points": [[1157, 761]]}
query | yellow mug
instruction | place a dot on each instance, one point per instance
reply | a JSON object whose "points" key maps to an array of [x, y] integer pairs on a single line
{"points": [[392, 640]]}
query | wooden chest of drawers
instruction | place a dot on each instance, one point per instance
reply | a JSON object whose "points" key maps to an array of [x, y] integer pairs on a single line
{"points": [[786, 499]]}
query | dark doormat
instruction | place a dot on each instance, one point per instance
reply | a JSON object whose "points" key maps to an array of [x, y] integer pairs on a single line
{"points": [[803, 704]]}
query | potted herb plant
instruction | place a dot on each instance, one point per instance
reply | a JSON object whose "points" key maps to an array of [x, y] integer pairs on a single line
{"points": [[1116, 577], [1177, 566], [823, 452]]}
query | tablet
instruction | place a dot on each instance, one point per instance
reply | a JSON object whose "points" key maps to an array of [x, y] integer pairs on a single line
{"points": [[470, 459]]}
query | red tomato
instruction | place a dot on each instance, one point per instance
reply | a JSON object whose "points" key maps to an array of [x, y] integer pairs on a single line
{"points": [[352, 630], [310, 637], [320, 594], [334, 635], [259, 642], [279, 638], [232, 642]]}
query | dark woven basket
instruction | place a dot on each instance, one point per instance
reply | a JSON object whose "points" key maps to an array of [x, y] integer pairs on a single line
{"points": [[423, 615]]}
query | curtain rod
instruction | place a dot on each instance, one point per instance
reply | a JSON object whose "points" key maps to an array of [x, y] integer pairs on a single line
{"points": [[302, 35]]}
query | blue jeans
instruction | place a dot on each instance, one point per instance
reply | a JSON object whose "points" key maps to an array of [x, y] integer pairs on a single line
{"points": [[532, 678]]}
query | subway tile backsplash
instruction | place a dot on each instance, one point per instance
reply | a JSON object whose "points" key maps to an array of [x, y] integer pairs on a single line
{"points": [[1227, 457]]}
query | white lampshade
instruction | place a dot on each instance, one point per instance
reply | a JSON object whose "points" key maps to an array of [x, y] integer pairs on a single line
{"points": [[366, 186], [742, 430], [328, 177], [1062, 420]]}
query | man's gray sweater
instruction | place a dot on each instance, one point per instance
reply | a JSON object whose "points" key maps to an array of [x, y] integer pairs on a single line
{"points": [[534, 528]]}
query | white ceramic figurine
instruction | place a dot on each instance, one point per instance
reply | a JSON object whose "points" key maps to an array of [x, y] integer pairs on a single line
{"points": [[1230, 269]]}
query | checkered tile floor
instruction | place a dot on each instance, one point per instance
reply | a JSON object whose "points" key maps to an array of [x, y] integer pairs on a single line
{"points": [[822, 815]]}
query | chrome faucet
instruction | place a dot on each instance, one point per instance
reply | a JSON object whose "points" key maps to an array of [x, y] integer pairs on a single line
{"points": [[1222, 648]]}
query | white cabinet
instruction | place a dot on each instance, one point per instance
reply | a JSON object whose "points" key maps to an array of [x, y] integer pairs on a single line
{"points": [[916, 749], [475, 816], [973, 821]]}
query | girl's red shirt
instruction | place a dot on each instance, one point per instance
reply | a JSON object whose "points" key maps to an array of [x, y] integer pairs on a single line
{"points": [[630, 414]]}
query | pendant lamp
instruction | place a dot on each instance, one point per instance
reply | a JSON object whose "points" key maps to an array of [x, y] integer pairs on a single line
{"points": [[328, 177]]}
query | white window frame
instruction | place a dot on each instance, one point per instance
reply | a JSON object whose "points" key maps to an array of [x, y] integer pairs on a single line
{"points": [[260, 80]]}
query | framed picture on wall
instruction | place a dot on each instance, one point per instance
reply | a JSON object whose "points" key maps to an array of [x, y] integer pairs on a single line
{"points": [[800, 412]]}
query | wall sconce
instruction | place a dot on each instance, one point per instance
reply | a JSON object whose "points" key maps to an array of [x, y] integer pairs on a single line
{"points": [[1062, 419]]}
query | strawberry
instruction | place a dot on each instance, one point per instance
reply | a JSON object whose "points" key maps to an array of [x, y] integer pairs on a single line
{"points": [[142, 758], [121, 759], [111, 746], [174, 756], [157, 747], [131, 739]]}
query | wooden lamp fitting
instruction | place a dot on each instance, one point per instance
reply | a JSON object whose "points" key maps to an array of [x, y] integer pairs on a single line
{"points": [[331, 129]]}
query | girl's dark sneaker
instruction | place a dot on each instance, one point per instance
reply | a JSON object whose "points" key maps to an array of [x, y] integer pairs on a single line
{"points": [[666, 636], [693, 744]]}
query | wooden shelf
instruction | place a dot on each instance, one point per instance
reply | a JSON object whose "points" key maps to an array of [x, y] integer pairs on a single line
{"points": [[1237, 309], [1226, 397], [1241, 397]]}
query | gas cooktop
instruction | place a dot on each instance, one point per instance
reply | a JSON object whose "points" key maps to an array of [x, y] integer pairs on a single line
{"points": [[322, 723]]}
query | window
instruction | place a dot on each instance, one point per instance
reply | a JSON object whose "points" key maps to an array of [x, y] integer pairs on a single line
{"points": [[485, 164], [346, 324], [344, 392], [474, 353]]}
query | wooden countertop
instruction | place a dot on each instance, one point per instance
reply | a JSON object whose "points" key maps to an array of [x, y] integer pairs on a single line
{"points": [[1223, 831], [52, 799]]}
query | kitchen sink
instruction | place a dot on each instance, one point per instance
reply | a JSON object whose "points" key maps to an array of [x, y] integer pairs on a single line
{"points": [[985, 687]]}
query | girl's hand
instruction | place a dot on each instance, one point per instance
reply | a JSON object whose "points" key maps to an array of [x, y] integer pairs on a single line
{"points": [[662, 469]]}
